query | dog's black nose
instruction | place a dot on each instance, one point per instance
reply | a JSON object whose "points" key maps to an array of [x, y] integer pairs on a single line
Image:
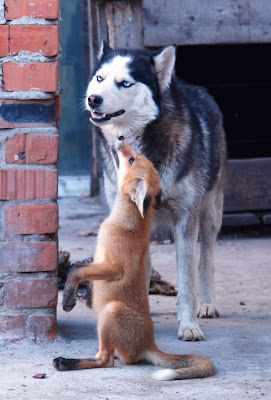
{"points": [[121, 138], [95, 101]]}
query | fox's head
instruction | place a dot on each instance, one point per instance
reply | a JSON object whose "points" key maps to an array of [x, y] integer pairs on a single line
{"points": [[137, 177]]}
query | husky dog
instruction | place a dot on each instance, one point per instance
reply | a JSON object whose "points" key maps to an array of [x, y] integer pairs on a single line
{"points": [[179, 127]]}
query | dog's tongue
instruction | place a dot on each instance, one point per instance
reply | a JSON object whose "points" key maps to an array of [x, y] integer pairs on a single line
{"points": [[97, 115]]}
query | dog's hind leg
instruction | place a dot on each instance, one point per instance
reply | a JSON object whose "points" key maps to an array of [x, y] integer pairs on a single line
{"points": [[210, 223], [186, 235]]}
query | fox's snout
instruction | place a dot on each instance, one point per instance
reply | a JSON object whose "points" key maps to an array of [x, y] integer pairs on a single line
{"points": [[114, 150], [120, 142], [137, 176]]}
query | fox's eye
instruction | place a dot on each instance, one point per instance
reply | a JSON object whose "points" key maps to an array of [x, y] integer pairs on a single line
{"points": [[131, 160], [126, 84], [99, 78]]}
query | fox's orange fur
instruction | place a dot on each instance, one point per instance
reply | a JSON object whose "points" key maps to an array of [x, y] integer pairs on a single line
{"points": [[120, 298]]}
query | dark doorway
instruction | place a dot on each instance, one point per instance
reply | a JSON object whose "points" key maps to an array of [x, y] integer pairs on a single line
{"points": [[239, 78]]}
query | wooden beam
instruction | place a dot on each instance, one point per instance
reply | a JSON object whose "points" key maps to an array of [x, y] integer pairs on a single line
{"points": [[97, 31], [248, 185], [125, 25], [240, 219], [187, 22]]}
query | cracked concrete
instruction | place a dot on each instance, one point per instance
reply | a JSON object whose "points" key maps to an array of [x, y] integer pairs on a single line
{"points": [[239, 342], [33, 21]]}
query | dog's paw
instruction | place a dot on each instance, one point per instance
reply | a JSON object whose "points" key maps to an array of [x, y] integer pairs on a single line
{"points": [[69, 299], [208, 311], [190, 333]]}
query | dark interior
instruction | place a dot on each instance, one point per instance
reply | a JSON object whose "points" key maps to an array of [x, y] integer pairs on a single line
{"points": [[239, 78]]}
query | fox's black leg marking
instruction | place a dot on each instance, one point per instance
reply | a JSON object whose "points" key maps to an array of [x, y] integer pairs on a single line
{"points": [[65, 364], [69, 299]]}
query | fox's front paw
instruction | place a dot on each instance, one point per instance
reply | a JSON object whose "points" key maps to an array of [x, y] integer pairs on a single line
{"points": [[69, 299]]}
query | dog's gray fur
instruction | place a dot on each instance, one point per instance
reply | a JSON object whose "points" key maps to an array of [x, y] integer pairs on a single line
{"points": [[179, 128]]}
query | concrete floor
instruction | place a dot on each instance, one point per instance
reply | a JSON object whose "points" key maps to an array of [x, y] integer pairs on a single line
{"points": [[239, 342]]}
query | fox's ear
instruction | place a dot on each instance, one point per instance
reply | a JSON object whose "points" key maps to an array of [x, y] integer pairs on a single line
{"points": [[164, 65], [141, 197], [104, 49]]}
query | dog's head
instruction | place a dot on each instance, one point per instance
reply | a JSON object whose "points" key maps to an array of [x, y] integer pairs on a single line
{"points": [[137, 177], [127, 86]]}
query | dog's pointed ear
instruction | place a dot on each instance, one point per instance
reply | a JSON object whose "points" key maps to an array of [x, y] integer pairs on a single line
{"points": [[142, 198], [164, 63], [104, 49]]}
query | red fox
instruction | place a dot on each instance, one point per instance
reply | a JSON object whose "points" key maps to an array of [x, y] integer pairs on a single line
{"points": [[120, 299]]}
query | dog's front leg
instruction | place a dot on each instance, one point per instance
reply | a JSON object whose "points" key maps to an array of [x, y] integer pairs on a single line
{"points": [[90, 272], [186, 234]]}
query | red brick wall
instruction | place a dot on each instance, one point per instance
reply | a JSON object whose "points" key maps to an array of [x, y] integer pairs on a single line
{"points": [[29, 113]]}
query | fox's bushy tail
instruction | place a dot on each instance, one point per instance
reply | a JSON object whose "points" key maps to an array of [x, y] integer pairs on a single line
{"points": [[180, 366]]}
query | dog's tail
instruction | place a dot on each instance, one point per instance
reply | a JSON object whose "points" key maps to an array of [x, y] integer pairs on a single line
{"points": [[179, 366]]}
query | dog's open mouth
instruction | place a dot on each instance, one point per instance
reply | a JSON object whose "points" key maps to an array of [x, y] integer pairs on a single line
{"points": [[115, 156], [99, 117]]}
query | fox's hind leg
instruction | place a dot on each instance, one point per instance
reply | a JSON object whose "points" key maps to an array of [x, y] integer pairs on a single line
{"points": [[210, 223], [106, 360], [105, 356]]}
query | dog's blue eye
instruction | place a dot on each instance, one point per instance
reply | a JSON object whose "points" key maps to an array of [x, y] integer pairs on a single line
{"points": [[131, 160], [126, 84], [99, 78]]}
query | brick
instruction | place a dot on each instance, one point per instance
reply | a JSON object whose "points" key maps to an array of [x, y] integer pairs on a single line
{"points": [[15, 149], [12, 327], [28, 257], [31, 76], [25, 113], [43, 39], [42, 327], [4, 35], [58, 107], [31, 293], [41, 149], [32, 149], [22, 184], [45, 9], [31, 219]]}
